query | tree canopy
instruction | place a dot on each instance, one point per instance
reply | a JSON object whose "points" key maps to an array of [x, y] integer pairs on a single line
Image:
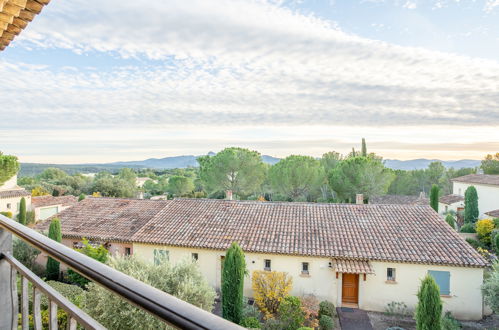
{"points": [[296, 177], [180, 185], [360, 175], [9, 166], [237, 169], [490, 165]]}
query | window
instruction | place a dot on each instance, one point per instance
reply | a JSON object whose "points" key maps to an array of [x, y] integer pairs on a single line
{"points": [[443, 281], [267, 264], [304, 267], [9, 205], [390, 274], [128, 251], [446, 208], [195, 256], [160, 256]]}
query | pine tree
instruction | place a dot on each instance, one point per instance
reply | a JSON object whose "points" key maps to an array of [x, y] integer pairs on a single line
{"points": [[22, 211], [234, 269], [434, 192], [470, 205], [429, 308], [56, 235], [364, 148]]}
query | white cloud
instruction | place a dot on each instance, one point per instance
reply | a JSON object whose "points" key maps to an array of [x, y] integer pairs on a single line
{"points": [[234, 63]]}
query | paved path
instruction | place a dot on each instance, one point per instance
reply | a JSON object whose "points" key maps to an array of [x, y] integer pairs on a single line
{"points": [[353, 319]]}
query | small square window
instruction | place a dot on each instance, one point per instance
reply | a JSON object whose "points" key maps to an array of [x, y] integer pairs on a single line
{"points": [[267, 264], [390, 274], [195, 256], [9, 205], [304, 267], [128, 251]]}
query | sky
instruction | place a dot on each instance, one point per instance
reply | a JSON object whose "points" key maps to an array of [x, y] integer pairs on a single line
{"points": [[100, 81]]}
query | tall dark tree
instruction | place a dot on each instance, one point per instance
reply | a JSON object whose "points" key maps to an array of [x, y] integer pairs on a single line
{"points": [[429, 308], [22, 211], [434, 194], [470, 205], [364, 148], [53, 265], [234, 269]]}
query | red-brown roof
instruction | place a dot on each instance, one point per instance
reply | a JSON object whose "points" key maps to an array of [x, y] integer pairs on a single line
{"points": [[112, 219], [451, 199], [479, 179], [48, 200], [353, 266], [14, 193], [405, 233], [494, 213], [400, 199]]}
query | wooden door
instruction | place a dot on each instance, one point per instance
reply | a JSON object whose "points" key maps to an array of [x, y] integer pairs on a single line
{"points": [[350, 288]]}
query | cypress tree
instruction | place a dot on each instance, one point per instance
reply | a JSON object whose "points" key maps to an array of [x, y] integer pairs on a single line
{"points": [[429, 308], [234, 269], [470, 205], [364, 148], [53, 265], [434, 192], [22, 211]]}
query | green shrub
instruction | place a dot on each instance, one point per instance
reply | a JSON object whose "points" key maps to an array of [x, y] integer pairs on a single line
{"points": [[290, 313], [251, 310], [305, 328], [327, 308], [429, 308], [24, 252], [273, 324], [8, 214], [495, 243], [475, 243], [449, 218], [496, 222], [81, 197], [251, 323], [73, 293], [449, 322], [490, 288], [30, 217], [182, 280], [98, 253], [468, 228], [326, 322]]}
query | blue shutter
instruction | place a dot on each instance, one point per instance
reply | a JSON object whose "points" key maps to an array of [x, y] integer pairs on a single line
{"points": [[442, 279]]}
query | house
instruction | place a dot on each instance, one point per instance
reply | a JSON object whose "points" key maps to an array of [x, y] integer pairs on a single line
{"points": [[493, 213], [363, 256], [47, 206], [487, 187], [420, 199], [11, 195]]}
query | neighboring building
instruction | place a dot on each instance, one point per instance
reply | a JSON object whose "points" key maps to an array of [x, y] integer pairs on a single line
{"points": [[362, 256], [10, 197], [140, 181], [493, 214], [47, 206], [487, 187], [452, 203], [401, 199]]}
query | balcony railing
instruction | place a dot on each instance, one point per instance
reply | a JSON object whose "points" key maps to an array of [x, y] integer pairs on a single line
{"points": [[169, 309]]}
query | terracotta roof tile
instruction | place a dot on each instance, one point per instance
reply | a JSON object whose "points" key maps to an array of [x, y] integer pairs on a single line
{"points": [[41, 201], [405, 233], [494, 213], [111, 219], [479, 179], [451, 199], [352, 266], [14, 193], [400, 199]]}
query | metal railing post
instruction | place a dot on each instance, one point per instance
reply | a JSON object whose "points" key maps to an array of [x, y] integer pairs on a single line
{"points": [[5, 281]]}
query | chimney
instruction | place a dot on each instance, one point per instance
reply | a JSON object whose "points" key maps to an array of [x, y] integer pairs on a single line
{"points": [[228, 195], [422, 195], [359, 199]]}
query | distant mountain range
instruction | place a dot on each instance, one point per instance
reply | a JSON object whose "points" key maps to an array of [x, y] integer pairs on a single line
{"points": [[190, 161]]}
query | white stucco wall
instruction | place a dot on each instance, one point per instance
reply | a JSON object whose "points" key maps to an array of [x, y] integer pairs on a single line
{"points": [[488, 196], [465, 299], [60, 208], [443, 208], [14, 204]]}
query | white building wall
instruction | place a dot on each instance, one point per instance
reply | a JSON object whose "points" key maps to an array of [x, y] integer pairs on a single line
{"points": [[465, 300], [10, 184], [488, 196], [14, 204]]}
